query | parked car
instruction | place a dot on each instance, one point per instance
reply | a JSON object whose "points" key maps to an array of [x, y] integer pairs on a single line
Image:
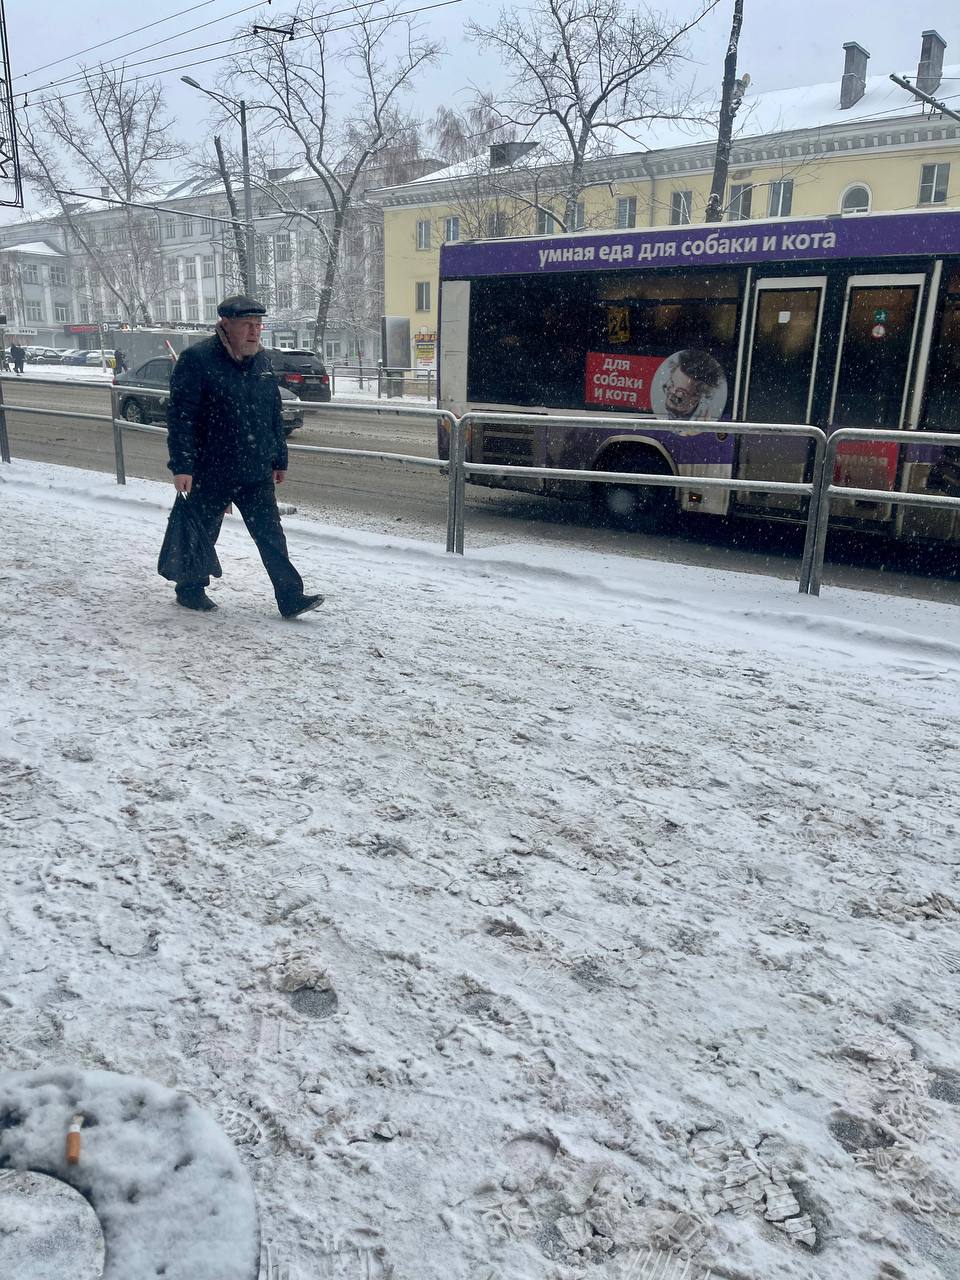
{"points": [[94, 357], [42, 355], [301, 372], [156, 373], [74, 356]]}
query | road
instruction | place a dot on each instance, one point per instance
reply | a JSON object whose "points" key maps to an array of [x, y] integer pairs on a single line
{"points": [[413, 501]]}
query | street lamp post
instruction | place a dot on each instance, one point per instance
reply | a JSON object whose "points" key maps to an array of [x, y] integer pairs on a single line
{"points": [[251, 283]]}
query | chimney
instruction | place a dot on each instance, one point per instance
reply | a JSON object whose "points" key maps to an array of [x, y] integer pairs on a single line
{"points": [[504, 154], [854, 74], [930, 70]]}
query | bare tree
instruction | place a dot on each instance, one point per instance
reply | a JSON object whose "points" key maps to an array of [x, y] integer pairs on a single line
{"points": [[584, 72], [730, 99], [334, 93], [120, 137], [457, 136]]}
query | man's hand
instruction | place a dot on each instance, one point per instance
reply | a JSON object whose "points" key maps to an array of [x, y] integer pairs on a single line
{"points": [[279, 477], [183, 484]]}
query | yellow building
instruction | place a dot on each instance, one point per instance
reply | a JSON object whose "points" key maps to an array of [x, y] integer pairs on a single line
{"points": [[856, 144]]}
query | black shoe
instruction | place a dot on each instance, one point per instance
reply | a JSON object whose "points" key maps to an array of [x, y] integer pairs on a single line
{"points": [[198, 600], [303, 605]]}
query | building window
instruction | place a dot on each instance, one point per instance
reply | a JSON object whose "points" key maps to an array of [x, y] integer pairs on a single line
{"points": [[153, 231], [206, 267], [84, 313], [58, 276], [210, 310], [496, 224], [781, 199], [284, 295], [281, 246], [681, 203], [187, 228], [61, 312], [332, 349], [546, 223], [627, 212], [741, 202], [193, 311], [423, 233], [423, 295], [855, 200], [31, 273], [451, 230], [934, 179], [169, 228], [34, 311], [206, 226], [176, 311], [579, 216], [159, 310], [80, 277]]}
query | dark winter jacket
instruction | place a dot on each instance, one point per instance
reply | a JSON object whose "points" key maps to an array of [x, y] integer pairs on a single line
{"points": [[224, 420]]}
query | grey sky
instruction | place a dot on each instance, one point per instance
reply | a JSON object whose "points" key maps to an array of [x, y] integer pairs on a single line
{"points": [[785, 43]]}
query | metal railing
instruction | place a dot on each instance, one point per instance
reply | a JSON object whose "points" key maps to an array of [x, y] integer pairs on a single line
{"points": [[820, 489], [390, 381]]}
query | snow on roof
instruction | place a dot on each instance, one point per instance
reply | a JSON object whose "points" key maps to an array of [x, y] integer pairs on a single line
{"points": [[762, 114], [39, 247]]}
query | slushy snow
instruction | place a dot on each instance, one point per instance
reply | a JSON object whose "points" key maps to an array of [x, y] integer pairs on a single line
{"points": [[533, 915]]}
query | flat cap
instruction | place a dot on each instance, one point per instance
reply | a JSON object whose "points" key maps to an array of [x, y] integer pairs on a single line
{"points": [[240, 305]]}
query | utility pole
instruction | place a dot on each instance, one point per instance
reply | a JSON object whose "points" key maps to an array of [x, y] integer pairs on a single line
{"points": [[730, 99], [925, 97], [241, 115]]}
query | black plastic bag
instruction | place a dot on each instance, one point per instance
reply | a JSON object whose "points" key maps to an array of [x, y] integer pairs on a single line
{"points": [[187, 554]]}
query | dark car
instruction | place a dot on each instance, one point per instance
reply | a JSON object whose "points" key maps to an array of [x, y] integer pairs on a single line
{"points": [[156, 374], [301, 372], [42, 355]]}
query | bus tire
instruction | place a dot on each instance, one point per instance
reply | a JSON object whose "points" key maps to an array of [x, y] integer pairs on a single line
{"points": [[634, 507]]}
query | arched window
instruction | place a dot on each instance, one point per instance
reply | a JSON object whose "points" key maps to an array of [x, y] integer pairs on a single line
{"points": [[855, 200]]}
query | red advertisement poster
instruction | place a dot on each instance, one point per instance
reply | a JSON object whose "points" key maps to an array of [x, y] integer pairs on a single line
{"points": [[866, 465], [620, 381]]}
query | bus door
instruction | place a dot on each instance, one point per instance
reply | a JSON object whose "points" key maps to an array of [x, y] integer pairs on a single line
{"points": [[781, 369], [878, 337]]}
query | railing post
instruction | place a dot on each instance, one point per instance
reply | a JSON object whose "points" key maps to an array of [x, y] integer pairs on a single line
{"points": [[452, 484], [4, 439], [379, 379], [117, 437], [813, 517], [461, 479], [333, 379], [823, 517]]}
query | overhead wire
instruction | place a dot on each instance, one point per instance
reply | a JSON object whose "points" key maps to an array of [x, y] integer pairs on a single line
{"points": [[200, 62], [113, 39], [72, 79]]}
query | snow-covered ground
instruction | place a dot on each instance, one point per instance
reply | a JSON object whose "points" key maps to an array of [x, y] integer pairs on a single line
{"points": [[347, 388], [535, 915], [62, 373]]}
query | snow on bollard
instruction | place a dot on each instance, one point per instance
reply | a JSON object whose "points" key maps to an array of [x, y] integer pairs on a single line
{"points": [[166, 1184]]}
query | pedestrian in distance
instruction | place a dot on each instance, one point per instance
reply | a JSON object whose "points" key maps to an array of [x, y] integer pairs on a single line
{"points": [[227, 445], [119, 361], [17, 355]]}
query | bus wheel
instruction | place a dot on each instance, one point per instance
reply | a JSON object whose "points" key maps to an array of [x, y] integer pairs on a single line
{"points": [[640, 508]]}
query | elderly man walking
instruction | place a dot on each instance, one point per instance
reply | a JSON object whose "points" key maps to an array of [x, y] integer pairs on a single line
{"points": [[226, 444]]}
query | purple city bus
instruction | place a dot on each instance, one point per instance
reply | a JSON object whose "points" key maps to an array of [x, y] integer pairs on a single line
{"points": [[844, 321]]}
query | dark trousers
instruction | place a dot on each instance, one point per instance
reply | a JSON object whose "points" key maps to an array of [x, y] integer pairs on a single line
{"points": [[257, 503]]}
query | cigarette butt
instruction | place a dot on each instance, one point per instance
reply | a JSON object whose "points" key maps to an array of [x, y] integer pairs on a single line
{"points": [[73, 1140]]}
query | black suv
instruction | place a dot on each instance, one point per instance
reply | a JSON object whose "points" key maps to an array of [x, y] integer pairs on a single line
{"points": [[301, 372]]}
